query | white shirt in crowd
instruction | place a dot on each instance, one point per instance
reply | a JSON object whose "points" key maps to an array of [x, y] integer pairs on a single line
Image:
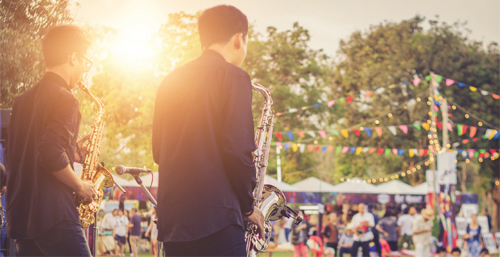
{"points": [[422, 238], [357, 219], [405, 221], [108, 222], [121, 226], [288, 223]]}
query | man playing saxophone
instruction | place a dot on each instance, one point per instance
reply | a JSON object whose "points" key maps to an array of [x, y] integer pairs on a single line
{"points": [[41, 148], [203, 139]]}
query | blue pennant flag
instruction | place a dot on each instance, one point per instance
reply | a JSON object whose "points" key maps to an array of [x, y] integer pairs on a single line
{"points": [[352, 149], [317, 105], [401, 152], [497, 135], [368, 132], [287, 145], [460, 84], [289, 135], [324, 148], [437, 103]]}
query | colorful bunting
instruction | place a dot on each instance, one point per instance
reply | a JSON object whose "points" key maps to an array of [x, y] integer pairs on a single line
{"points": [[380, 151], [449, 82], [472, 131], [322, 133], [368, 131], [372, 150], [302, 147], [279, 136], [404, 128], [392, 129], [300, 133], [311, 133], [379, 131], [330, 103], [416, 81], [357, 132], [289, 135], [417, 126], [345, 149], [368, 94], [317, 148], [344, 133], [358, 150], [426, 126], [310, 148], [349, 99]]}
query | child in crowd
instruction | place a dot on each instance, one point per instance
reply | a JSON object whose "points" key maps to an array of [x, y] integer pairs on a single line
{"points": [[346, 241]]}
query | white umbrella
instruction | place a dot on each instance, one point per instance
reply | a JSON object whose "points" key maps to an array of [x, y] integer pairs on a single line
{"points": [[313, 184]]}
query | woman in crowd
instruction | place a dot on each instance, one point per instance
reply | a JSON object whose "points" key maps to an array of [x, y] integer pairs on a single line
{"points": [[299, 237], [129, 228], [473, 237], [387, 228], [153, 229], [120, 232]]}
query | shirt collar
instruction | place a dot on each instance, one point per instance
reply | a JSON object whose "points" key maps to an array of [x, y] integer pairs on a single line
{"points": [[212, 54], [51, 76]]}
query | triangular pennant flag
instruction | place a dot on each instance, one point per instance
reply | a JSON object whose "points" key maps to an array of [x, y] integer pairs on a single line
{"points": [[439, 125], [349, 99], [428, 77], [294, 147], [411, 153], [438, 78], [417, 126], [366, 149], [381, 151], [302, 147], [476, 154], [492, 151], [368, 94], [317, 105], [473, 89], [493, 133], [338, 149], [279, 113], [460, 84], [358, 150], [345, 149], [472, 131], [317, 148], [395, 151], [450, 128], [421, 152], [330, 103], [465, 141], [372, 150], [289, 135], [305, 107], [292, 110], [392, 129], [311, 133], [497, 135], [401, 152], [475, 139], [488, 133], [279, 144], [341, 100], [279, 135], [300, 133], [287, 145], [330, 148], [426, 152], [324, 148], [415, 151], [344, 133], [387, 152], [471, 152], [310, 148], [368, 131], [322, 133], [495, 96], [335, 132], [404, 128], [357, 132], [379, 131], [485, 93], [426, 126], [463, 130], [416, 81], [449, 82], [352, 149]]}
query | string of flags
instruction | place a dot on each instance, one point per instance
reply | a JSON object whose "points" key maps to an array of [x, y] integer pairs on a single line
{"points": [[461, 129], [449, 82]]}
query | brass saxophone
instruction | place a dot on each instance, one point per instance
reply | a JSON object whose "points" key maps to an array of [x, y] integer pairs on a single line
{"points": [[92, 169], [269, 199]]}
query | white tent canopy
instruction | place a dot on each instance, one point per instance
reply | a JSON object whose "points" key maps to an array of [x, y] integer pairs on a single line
{"points": [[421, 189], [357, 186], [280, 185], [396, 187], [146, 180], [313, 184], [123, 182]]}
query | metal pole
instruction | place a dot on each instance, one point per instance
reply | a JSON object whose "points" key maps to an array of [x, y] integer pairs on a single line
{"points": [[278, 151], [433, 164]]}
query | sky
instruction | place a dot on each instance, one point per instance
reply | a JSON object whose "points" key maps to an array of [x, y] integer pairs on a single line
{"points": [[328, 21]]}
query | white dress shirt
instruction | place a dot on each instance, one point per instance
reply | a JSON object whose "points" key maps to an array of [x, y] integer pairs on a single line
{"points": [[357, 219]]}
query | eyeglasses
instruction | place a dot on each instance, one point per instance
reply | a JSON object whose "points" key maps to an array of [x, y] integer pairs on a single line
{"points": [[89, 63]]}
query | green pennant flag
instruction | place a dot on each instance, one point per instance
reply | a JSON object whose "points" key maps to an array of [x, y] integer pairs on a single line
{"points": [[338, 149], [341, 100], [335, 132], [273, 143], [460, 129], [438, 78], [435, 114], [418, 127], [482, 150], [387, 151], [476, 154], [428, 77]]}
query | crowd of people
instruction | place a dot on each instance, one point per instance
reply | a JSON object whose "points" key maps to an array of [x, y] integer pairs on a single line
{"points": [[120, 231], [365, 234]]}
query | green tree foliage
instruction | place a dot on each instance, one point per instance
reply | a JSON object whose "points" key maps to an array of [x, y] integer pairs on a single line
{"points": [[23, 25]]}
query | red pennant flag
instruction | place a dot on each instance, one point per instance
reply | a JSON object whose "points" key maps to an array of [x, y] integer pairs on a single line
{"points": [[464, 129], [421, 152], [368, 94], [317, 148], [439, 125], [495, 96], [426, 152], [379, 131], [279, 113], [492, 151], [404, 128], [330, 148], [486, 155], [322, 133], [465, 141], [381, 150], [279, 135], [349, 99], [481, 155], [300, 133], [472, 131], [372, 150], [475, 139], [310, 147], [357, 132]]}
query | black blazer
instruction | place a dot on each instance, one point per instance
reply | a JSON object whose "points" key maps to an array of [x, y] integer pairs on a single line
{"points": [[203, 138]]}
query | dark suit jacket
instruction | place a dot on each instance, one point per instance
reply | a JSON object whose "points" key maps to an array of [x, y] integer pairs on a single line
{"points": [[203, 138]]}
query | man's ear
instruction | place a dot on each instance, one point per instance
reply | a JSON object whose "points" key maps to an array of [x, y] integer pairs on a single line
{"points": [[72, 59], [238, 37]]}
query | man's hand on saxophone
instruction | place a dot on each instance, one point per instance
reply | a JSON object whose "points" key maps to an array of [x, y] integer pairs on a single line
{"points": [[258, 219]]}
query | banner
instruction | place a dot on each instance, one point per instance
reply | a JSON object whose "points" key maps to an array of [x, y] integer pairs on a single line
{"points": [[447, 168]]}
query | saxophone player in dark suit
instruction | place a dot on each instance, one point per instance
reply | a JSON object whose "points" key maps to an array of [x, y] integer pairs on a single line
{"points": [[41, 148], [203, 138]]}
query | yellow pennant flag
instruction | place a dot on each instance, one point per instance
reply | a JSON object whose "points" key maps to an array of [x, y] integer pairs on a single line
{"points": [[493, 133], [344, 133], [426, 126], [294, 147], [358, 150], [411, 152], [473, 89]]}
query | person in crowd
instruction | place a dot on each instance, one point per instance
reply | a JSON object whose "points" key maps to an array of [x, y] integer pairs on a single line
{"points": [[135, 232], [363, 222], [42, 147], [3, 179], [299, 238], [107, 242], [288, 228], [127, 237], [153, 229], [120, 232], [331, 233], [210, 150], [455, 252], [473, 237], [387, 227], [488, 216], [441, 252], [405, 223], [422, 228], [376, 236], [484, 252], [346, 240]]}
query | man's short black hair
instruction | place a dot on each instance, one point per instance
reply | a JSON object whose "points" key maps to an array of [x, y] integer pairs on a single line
{"points": [[456, 249], [218, 24], [485, 250], [61, 41], [440, 250], [134, 209]]}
